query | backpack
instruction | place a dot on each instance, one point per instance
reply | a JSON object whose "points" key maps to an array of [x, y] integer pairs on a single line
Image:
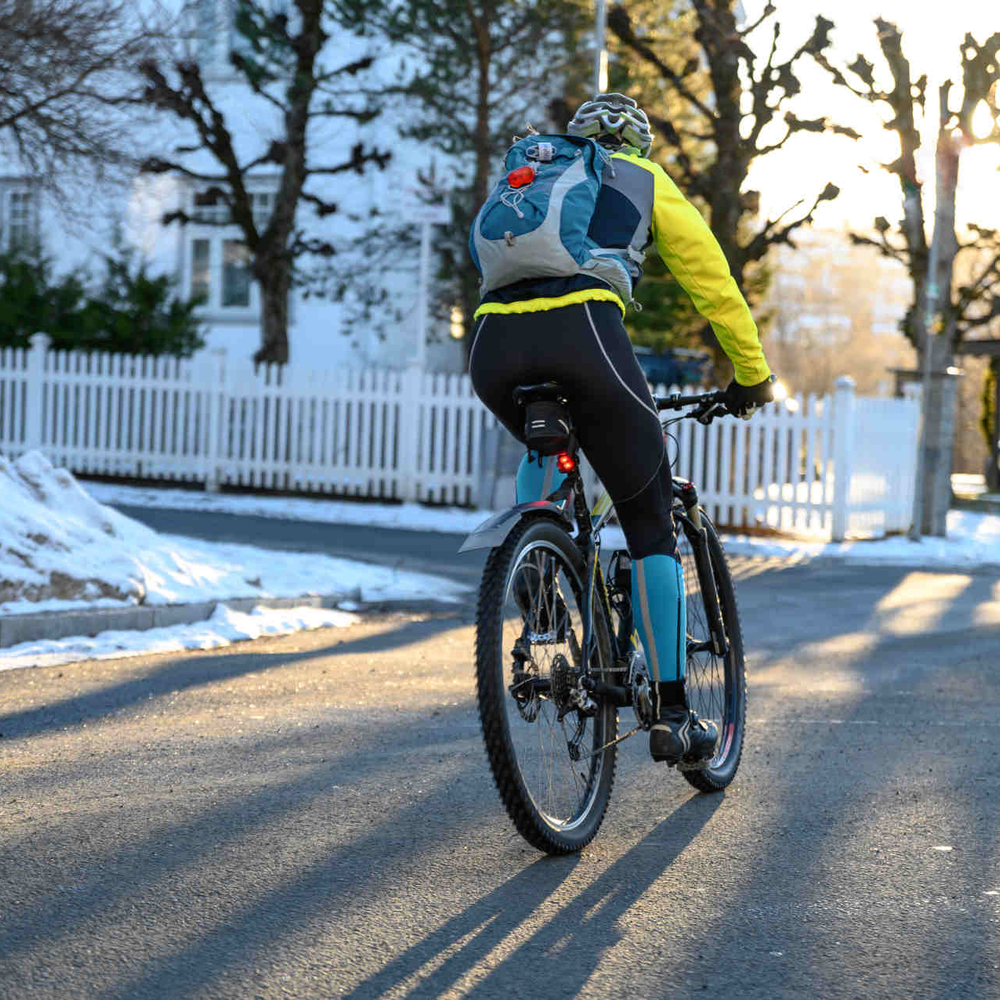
{"points": [[535, 222]]}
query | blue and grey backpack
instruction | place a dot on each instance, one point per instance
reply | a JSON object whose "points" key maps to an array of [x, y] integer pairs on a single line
{"points": [[535, 222]]}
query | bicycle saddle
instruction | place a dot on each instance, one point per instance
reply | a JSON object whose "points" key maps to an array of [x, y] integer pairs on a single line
{"points": [[524, 394]]}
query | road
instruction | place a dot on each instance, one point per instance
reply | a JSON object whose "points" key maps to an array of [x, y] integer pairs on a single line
{"points": [[424, 551], [312, 816]]}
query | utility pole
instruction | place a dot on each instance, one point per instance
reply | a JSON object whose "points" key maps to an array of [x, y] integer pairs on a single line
{"points": [[600, 52], [425, 215]]}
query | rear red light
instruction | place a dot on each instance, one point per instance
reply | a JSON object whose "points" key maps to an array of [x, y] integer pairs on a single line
{"points": [[565, 462], [521, 176]]}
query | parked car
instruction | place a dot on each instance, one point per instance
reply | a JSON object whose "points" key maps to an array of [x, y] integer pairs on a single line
{"points": [[680, 366]]}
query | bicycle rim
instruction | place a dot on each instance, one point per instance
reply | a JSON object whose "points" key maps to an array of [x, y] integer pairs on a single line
{"points": [[556, 802]]}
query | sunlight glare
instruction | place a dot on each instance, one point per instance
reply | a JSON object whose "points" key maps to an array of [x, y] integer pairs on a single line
{"points": [[982, 120]]}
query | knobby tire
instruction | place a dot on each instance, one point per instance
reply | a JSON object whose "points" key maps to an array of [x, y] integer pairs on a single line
{"points": [[496, 703], [704, 666]]}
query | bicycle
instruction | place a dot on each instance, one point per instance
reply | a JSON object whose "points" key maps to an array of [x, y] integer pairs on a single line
{"points": [[557, 653]]}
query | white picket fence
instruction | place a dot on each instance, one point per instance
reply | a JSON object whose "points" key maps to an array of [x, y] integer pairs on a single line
{"points": [[828, 466], [831, 466]]}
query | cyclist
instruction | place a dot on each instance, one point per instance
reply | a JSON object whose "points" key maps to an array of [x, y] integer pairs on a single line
{"points": [[569, 330]]}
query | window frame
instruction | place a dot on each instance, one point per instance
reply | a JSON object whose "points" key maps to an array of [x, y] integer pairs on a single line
{"points": [[10, 188], [217, 234]]}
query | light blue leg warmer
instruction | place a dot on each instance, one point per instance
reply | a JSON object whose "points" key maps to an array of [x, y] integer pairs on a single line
{"points": [[534, 481], [660, 614]]}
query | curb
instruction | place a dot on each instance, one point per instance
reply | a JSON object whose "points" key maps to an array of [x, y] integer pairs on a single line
{"points": [[42, 625]]}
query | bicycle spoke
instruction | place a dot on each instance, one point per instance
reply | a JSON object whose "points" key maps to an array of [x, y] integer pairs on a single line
{"points": [[546, 593]]}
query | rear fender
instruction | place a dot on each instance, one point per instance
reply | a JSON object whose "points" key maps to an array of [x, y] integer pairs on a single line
{"points": [[495, 529]]}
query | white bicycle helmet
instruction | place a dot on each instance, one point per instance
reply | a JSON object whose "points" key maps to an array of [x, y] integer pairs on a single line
{"points": [[616, 117]]}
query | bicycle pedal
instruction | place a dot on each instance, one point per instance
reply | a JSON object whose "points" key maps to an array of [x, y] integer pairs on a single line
{"points": [[693, 765]]}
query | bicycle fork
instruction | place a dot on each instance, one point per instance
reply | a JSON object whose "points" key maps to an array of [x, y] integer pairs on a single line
{"points": [[719, 643]]}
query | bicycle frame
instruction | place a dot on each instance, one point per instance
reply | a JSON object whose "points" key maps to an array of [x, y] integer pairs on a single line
{"points": [[589, 524]]}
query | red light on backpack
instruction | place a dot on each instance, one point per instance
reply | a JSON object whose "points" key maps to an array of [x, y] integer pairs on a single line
{"points": [[521, 176], [565, 462]]}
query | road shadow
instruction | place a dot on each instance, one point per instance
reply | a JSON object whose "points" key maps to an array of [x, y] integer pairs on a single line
{"points": [[102, 883], [188, 671], [571, 943], [843, 892]]}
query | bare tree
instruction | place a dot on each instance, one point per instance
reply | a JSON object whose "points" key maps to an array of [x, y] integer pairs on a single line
{"points": [[477, 70], [721, 125], [281, 61], [64, 65], [955, 308]]}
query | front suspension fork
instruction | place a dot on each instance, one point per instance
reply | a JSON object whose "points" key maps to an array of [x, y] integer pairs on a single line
{"points": [[719, 643]]}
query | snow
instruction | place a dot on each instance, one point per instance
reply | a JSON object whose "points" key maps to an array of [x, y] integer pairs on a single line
{"points": [[380, 515], [61, 549], [225, 626], [973, 538]]}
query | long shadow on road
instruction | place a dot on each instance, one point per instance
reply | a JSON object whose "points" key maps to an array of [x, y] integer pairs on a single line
{"points": [[173, 675], [583, 929]]}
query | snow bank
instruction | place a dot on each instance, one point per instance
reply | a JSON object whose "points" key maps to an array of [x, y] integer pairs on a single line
{"points": [[224, 627], [60, 548]]}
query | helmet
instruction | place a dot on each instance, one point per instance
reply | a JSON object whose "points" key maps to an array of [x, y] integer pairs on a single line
{"points": [[613, 116]]}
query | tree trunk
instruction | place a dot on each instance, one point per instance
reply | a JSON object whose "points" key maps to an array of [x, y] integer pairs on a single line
{"points": [[274, 284], [993, 461], [939, 432], [469, 281], [939, 407]]}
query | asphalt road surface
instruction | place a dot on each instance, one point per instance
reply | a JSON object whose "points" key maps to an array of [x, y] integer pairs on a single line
{"points": [[313, 816]]}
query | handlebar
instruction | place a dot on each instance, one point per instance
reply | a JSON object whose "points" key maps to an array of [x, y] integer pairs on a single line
{"points": [[708, 405], [675, 401]]}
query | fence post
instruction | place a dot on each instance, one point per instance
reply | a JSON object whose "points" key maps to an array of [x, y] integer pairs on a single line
{"points": [[35, 391], [217, 409], [409, 429], [843, 454]]}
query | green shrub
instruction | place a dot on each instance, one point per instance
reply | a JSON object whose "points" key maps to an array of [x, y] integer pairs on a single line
{"points": [[128, 312]]}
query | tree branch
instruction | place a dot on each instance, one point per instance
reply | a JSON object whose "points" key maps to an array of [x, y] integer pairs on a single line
{"points": [[882, 245], [357, 162], [619, 23], [157, 165], [759, 245], [769, 9]]}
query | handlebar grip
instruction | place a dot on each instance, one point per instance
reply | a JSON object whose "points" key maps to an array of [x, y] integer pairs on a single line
{"points": [[675, 401]]}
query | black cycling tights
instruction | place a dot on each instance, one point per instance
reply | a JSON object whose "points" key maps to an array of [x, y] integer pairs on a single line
{"points": [[586, 350]]}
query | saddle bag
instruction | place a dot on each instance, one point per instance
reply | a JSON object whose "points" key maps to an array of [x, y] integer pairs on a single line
{"points": [[547, 426]]}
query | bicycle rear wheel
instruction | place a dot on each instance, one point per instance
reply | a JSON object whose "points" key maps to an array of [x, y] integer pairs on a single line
{"points": [[528, 639], [716, 685]]}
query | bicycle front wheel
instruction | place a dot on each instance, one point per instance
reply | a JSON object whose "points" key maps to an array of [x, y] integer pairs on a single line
{"points": [[716, 685], [550, 761]]}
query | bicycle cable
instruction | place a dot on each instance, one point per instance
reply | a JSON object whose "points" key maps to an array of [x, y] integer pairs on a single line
{"points": [[631, 732]]}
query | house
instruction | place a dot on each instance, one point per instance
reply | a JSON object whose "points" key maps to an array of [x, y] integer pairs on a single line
{"points": [[205, 254]]}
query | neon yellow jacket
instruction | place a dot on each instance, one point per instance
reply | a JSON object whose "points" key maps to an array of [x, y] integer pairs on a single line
{"points": [[696, 260]]}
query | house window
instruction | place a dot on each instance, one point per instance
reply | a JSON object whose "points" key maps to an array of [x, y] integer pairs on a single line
{"points": [[21, 220], [211, 206], [216, 262], [201, 270], [235, 274]]}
